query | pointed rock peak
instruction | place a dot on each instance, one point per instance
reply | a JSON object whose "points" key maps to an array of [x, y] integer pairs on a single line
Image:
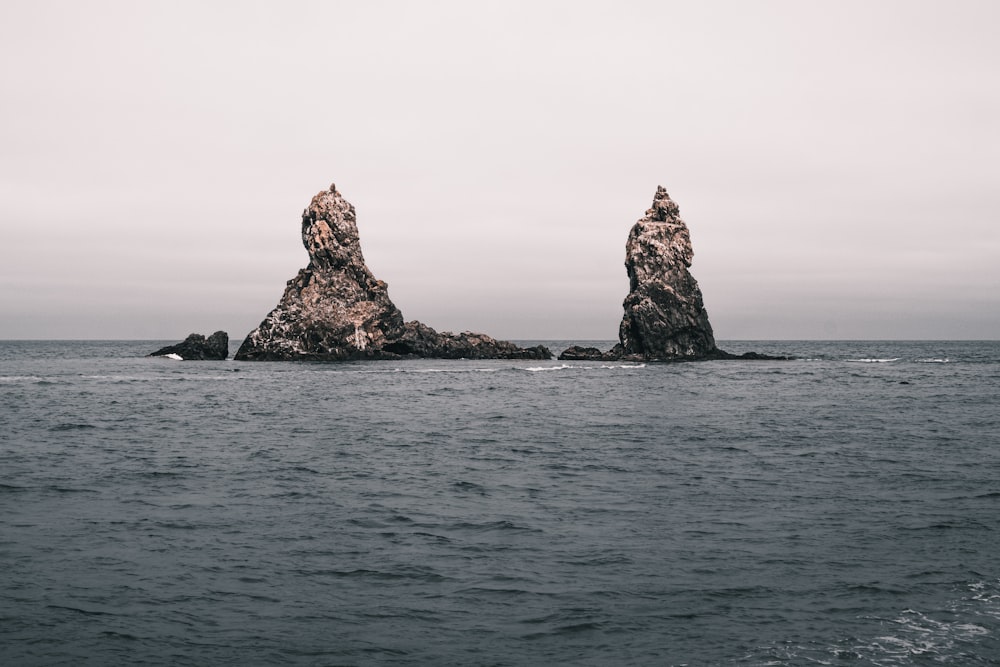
{"points": [[335, 309], [330, 231], [664, 209], [665, 317]]}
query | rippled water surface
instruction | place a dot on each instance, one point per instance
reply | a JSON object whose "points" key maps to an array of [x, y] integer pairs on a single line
{"points": [[842, 508]]}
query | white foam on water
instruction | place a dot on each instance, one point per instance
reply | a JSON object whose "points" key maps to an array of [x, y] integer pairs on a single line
{"points": [[562, 367], [175, 357], [874, 361], [20, 378], [952, 635], [454, 370], [914, 633], [917, 634], [366, 372], [389, 371], [536, 369], [934, 361]]}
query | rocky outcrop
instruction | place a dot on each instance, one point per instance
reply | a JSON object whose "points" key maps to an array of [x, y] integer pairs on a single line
{"points": [[197, 347], [665, 317], [419, 340], [335, 309], [579, 353]]}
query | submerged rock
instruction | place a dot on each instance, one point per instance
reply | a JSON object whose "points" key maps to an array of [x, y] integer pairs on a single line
{"points": [[335, 309], [197, 347], [665, 317]]}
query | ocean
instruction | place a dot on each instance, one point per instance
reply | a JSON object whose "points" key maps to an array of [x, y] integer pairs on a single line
{"points": [[842, 508]]}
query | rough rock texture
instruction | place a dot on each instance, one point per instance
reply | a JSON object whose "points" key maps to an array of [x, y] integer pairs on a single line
{"points": [[335, 309], [578, 353], [665, 318], [197, 347], [419, 340]]}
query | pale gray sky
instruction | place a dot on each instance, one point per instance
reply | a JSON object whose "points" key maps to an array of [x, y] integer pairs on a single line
{"points": [[838, 163]]}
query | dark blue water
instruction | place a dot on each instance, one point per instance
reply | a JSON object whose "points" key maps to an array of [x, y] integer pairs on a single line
{"points": [[839, 509]]}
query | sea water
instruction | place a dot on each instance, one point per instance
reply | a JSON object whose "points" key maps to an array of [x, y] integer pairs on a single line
{"points": [[842, 508]]}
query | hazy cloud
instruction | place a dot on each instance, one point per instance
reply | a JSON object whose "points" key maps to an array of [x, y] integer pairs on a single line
{"points": [[836, 161]]}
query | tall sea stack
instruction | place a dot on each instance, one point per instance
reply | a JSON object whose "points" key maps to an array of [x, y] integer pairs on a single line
{"points": [[335, 309], [665, 318]]}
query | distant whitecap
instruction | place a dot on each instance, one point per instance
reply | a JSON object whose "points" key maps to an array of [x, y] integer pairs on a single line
{"points": [[874, 361]]}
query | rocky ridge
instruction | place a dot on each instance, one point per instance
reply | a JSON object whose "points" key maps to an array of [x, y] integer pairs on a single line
{"points": [[335, 309], [197, 347]]}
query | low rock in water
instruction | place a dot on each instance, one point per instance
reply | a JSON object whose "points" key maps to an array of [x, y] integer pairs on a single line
{"points": [[197, 347]]}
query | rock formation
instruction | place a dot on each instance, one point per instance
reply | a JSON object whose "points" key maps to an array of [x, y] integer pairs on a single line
{"points": [[419, 340], [578, 353], [335, 309], [665, 317], [197, 347]]}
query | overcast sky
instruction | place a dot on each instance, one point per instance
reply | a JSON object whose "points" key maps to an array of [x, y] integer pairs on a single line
{"points": [[838, 163]]}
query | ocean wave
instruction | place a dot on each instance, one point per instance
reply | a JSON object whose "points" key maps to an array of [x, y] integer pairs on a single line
{"points": [[68, 426], [12, 379], [396, 369], [159, 379], [454, 370], [564, 367], [874, 360], [955, 635], [917, 634], [85, 612], [539, 369], [374, 371], [617, 494]]}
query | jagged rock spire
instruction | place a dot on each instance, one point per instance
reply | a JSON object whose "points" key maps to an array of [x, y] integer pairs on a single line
{"points": [[335, 308], [665, 316]]}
